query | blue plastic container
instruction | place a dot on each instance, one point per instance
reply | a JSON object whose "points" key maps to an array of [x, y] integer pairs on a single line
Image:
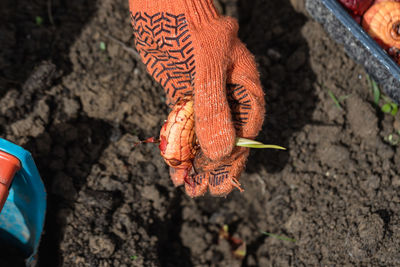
{"points": [[22, 217], [358, 44]]}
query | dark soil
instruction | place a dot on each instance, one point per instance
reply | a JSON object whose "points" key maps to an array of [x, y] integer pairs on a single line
{"points": [[79, 110]]}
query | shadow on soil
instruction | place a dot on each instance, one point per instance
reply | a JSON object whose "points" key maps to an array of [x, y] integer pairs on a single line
{"points": [[272, 31], [170, 249], [286, 75], [64, 156], [33, 31]]}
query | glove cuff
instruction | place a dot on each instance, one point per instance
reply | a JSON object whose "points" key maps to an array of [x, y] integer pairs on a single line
{"points": [[196, 12]]}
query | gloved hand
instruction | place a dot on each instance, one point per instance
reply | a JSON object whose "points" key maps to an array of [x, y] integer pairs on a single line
{"points": [[193, 51]]}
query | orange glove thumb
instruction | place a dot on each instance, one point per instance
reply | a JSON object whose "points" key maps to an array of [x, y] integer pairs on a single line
{"points": [[213, 120]]}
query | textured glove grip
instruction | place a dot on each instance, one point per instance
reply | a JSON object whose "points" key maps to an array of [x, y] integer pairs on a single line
{"points": [[196, 11]]}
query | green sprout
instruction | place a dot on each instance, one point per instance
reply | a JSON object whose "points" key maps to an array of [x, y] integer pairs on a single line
{"points": [[39, 20], [393, 139], [103, 46], [375, 90], [336, 100], [244, 142], [134, 257], [389, 106], [283, 238]]}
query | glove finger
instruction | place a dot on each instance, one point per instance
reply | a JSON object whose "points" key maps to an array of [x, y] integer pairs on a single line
{"points": [[221, 179], [245, 94], [213, 123], [178, 176], [196, 185], [225, 178]]}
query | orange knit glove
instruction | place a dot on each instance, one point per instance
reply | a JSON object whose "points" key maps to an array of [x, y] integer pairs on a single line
{"points": [[193, 51]]}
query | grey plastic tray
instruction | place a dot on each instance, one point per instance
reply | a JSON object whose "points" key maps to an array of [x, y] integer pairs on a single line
{"points": [[358, 44]]}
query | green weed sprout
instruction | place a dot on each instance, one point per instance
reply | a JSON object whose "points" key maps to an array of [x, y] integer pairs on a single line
{"points": [[134, 257], [337, 100], [393, 139], [389, 106], [334, 99], [283, 238], [103, 46], [375, 90], [39, 20]]}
